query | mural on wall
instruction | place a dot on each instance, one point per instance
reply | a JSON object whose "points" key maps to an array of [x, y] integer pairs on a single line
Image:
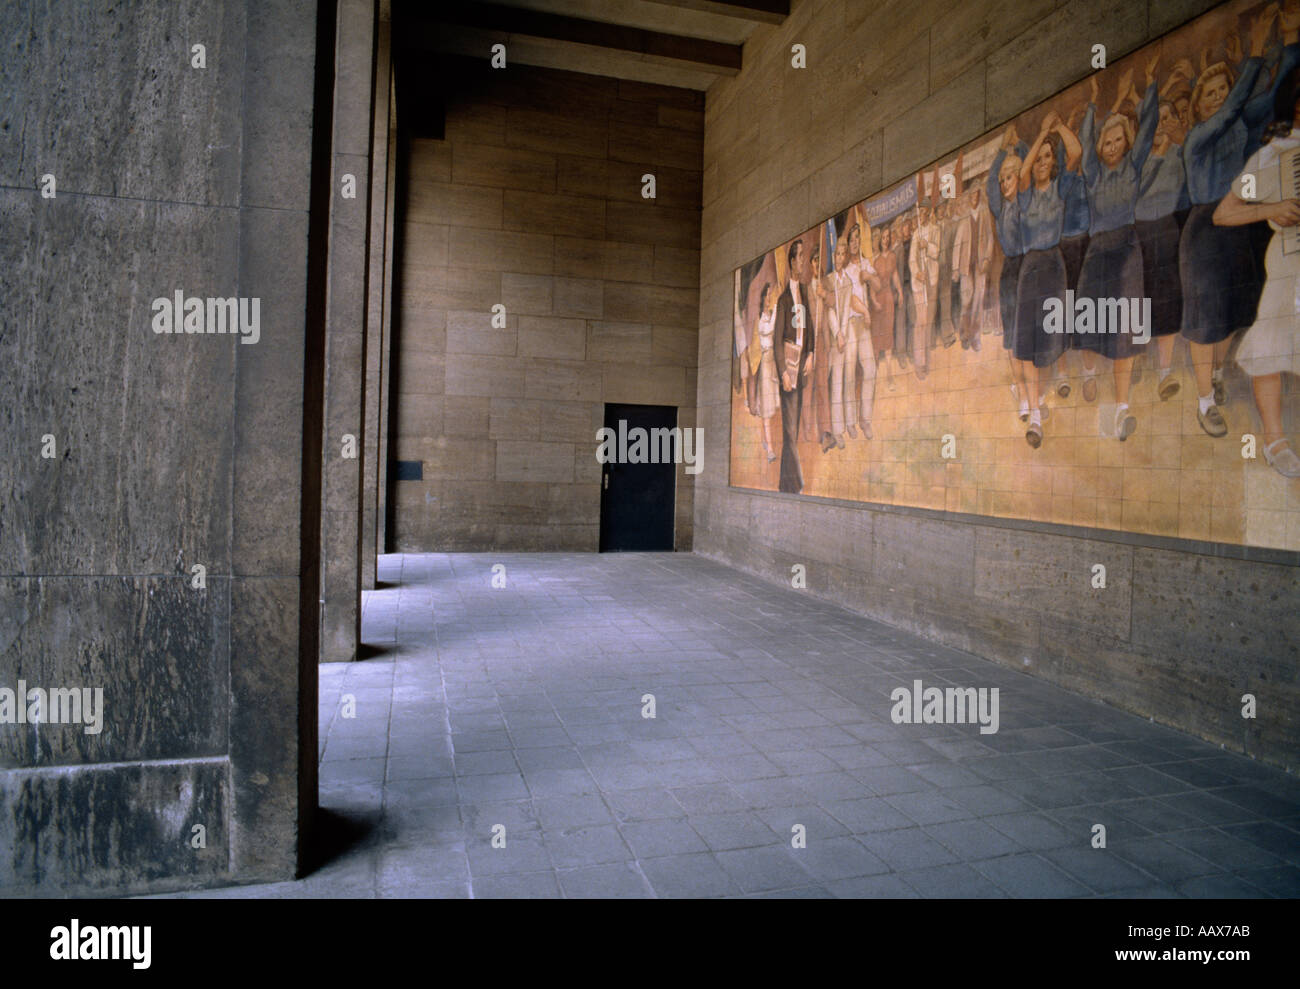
{"points": [[1088, 317]]}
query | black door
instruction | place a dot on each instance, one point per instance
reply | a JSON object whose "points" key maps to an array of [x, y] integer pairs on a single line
{"points": [[636, 499]]}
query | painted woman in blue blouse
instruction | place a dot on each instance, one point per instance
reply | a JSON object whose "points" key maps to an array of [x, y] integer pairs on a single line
{"points": [[1112, 268], [1002, 191], [1043, 188], [1221, 278], [1161, 207]]}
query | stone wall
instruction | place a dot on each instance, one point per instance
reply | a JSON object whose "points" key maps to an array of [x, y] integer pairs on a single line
{"points": [[167, 451], [1183, 629], [533, 200]]}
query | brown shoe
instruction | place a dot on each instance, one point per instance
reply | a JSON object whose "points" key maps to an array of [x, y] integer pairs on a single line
{"points": [[1090, 389], [1211, 421], [1168, 387], [1034, 435]]}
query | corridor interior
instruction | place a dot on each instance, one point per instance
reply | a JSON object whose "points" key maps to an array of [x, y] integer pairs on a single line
{"points": [[496, 743]]}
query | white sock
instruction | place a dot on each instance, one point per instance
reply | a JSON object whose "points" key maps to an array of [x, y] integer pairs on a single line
{"points": [[1036, 419], [1205, 402]]}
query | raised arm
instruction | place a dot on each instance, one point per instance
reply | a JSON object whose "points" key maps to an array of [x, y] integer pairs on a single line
{"points": [[1088, 140], [1122, 91], [1070, 143], [1148, 117], [1209, 131], [1182, 72], [992, 187], [1258, 112], [1027, 166]]}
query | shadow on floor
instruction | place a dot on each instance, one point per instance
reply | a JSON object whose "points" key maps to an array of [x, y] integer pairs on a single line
{"points": [[338, 833]]}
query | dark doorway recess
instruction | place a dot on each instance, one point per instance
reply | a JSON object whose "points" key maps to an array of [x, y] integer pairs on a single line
{"points": [[636, 499]]}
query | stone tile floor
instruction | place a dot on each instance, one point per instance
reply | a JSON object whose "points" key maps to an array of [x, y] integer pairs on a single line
{"points": [[521, 706]]}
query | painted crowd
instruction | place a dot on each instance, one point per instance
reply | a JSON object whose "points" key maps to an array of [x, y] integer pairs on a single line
{"points": [[1167, 179]]}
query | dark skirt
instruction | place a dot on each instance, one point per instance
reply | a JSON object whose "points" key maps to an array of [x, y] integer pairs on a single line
{"points": [[1007, 298], [1112, 269], [1160, 278], [1221, 281], [1042, 277], [1072, 250]]}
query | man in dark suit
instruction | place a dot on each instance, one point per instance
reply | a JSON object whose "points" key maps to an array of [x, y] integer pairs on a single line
{"points": [[794, 338]]}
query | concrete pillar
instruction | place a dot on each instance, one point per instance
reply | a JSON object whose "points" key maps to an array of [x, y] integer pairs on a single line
{"points": [[386, 373], [377, 280], [344, 432], [133, 456]]}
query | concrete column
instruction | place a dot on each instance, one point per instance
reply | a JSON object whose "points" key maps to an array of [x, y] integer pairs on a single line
{"points": [[344, 432], [377, 279], [386, 373], [173, 168]]}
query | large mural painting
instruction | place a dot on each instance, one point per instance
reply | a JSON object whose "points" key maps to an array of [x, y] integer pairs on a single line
{"points": [[1088, 317]]}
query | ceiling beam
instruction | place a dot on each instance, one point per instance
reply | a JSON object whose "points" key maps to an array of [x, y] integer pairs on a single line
{"points": [[711, 56], [565, 56], [766, 11]]}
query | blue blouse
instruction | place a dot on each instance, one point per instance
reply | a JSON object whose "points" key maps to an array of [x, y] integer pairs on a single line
{"points": [[1006, 212], [1042, 212], [1162, 188], [1216, 149], [1258, 113], [1113, 192], [1078, 216]]}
